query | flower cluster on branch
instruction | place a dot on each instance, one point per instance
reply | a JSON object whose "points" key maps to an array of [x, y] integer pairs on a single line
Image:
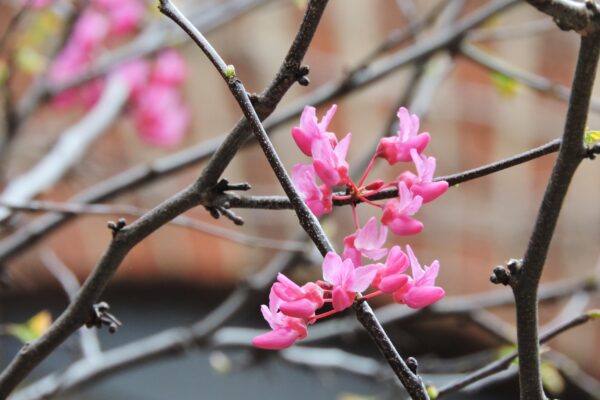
{"points": [[291, 307]]}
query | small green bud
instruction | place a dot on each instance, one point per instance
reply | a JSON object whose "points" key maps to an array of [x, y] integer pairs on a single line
{"points": [[230, 71], [432, 392], [594, 314], [590, 137]]}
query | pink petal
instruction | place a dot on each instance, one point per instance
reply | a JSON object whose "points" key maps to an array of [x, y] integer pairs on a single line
{"points": [[332, 265], [397, 260], [392, 283], [429, 191], [362, 278], [303, 141], [422, 296], [404, 225], [326, 120], [302, 308], [276, 340], [341, 299]]}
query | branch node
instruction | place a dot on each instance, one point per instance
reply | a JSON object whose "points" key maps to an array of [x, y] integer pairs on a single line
{"points": [[302, 75], [99, 317], [507, 275], [214, 212], [412, 364], [231, 215], [224, 185], [116, 227], [592, 151]]}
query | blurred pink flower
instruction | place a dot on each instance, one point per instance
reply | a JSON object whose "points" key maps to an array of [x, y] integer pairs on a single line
{"points": [[397, 212], [169, 68], [125, 16], [397, 148], [37, 4], [420, 291], [330, 163], [160, 115], [135, 73], [346, 279], [317, 198], [310, 130]]}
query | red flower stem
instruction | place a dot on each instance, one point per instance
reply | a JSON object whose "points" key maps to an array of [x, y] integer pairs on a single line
{"points": [[325, 314], [340, 198], [371, 295], [355, 216], [365, 200], [367, 170]]}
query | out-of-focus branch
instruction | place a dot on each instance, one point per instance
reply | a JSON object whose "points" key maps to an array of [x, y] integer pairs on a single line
{"points": [[90, 345], [181, 221], [504, 362], [70, 148], [533, 81]]}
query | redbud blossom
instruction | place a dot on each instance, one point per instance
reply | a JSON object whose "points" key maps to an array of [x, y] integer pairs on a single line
{"points": [[367, 241], [296, 301], [397, 148], [311, 130], [317, 198], [346, 280], [390, 277], [420, 291], [422, 184], [397, 212], [330, 163], [285, 330]]}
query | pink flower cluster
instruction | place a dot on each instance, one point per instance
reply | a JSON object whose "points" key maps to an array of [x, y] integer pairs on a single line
{"points": [[291, 307], [156, 105]]}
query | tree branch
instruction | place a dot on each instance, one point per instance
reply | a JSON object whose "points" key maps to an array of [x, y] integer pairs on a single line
{"points": [[526, 282]]}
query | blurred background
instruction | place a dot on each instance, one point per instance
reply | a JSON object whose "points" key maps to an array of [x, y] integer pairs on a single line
{"points": [[492, 95]]}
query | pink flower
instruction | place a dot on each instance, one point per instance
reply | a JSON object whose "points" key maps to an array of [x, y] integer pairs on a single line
{"points": [[37, 4], [169, 68], [367, 241], [298, 302], [90, 30], [160, 115], [125, 16], [422, 185], [420, 291], [285, 330], [390, 277], [317, 198], [330, 163], [397, 212], [310, 130], [397, 148], [135, 73], [345, 279]]}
